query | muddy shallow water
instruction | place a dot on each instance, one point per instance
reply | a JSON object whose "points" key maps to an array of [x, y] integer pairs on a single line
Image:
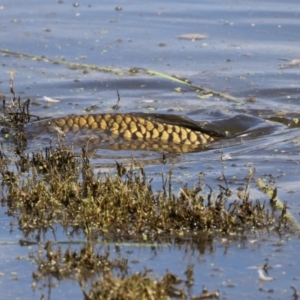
{"points": [[250, 52]]}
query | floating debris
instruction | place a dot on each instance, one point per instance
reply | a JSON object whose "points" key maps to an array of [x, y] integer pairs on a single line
{"points": [[263, 276], [50, 100], [295, 294], [292, 63], [207, 295], [192, 36]]}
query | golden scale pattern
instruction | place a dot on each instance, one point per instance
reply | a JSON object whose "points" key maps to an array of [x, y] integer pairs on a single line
{"points": [[130, 127]]}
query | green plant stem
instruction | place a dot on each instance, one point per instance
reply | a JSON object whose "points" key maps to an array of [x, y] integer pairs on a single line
{"points": [[279, 205], [121, 72]]}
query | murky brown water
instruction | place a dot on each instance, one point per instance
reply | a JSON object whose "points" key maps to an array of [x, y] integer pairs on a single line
{"points": [[249, 53]]}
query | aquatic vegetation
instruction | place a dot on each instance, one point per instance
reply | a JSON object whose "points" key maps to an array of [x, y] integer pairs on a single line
{"points": [[58, 186], [61, 187]]}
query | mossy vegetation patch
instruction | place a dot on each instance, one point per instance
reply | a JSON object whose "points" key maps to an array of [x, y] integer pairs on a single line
{"points": [[57, 186]]}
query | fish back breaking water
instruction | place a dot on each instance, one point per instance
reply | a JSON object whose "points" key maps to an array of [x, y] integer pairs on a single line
{"points": [[131, 131]]}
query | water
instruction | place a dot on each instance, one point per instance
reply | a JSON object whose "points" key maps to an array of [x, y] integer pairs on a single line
{"points": [[247, 52]]}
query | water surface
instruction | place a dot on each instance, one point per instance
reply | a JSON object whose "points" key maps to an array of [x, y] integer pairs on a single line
{"points": [[248, 53]]}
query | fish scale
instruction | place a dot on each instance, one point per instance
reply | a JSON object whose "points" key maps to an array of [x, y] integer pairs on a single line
{"points": [[158, 131]]}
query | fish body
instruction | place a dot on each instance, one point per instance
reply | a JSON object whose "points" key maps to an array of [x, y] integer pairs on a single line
{"points": [[138, 130]]}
